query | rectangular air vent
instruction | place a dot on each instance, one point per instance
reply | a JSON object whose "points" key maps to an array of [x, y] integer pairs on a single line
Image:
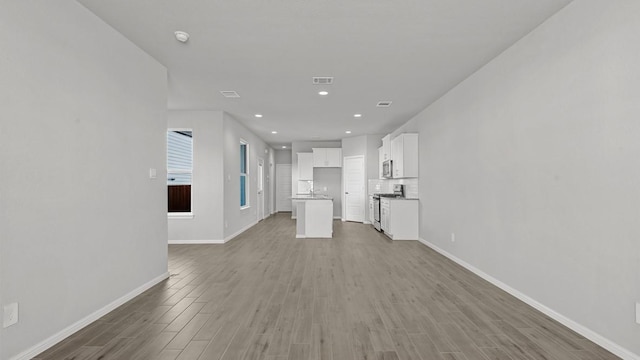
{"points": [[322, 80], [230, 94], [384, 103]]}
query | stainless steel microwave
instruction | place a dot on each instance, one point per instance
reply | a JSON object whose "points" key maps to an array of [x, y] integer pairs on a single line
{"points": [[387, 169]]}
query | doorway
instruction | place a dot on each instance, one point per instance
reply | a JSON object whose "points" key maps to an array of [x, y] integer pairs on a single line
{"points": [[283, 187], [260, 186], [353, 184]]}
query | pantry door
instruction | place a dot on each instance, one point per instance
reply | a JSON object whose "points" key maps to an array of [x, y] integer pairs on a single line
{"points": [[354, 193]]}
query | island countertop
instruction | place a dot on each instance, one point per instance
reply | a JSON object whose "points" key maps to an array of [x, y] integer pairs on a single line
{"points": [[310, 197]]}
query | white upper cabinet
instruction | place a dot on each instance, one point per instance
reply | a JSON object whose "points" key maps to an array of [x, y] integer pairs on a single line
{"points": [[386, 149], [305, 166], [327, 157], [404, 151], [380, 161]]}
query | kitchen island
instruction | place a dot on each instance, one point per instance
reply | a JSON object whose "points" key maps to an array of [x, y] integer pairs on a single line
{"points": [[314, 216]]}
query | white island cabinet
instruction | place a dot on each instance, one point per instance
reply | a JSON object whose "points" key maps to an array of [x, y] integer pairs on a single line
{"points": [[314, 217]]}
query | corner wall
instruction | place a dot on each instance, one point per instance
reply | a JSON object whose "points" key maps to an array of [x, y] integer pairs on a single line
{"points": [[206, 226], [533, 163], [238, 220], [82, 224]]}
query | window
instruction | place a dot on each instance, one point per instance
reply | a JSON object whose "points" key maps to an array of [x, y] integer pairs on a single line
{"points": [[179, 170], [244, 174]]}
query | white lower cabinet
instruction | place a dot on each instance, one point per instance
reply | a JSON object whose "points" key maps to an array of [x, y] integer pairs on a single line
{"points": [[371, 214], [399, 218]]}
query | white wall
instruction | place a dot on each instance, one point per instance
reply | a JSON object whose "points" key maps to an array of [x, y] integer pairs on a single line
{"points": [[283, 156], [236, 219], [208, 178], [367, 146], [533, 163], [82, 223]]}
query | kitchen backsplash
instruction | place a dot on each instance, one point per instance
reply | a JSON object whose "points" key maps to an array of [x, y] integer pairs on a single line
{"points": [[386, 186]]}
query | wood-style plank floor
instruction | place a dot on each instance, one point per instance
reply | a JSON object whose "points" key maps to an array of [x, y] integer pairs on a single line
{"points": [[267, 295]]}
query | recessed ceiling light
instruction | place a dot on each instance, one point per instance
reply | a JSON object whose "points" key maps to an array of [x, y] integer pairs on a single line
{"points": [[348, 132], [181, 36], [274, 132], [357, 115], [258, 115], [284, 147], [384, 103], [323, 93]]}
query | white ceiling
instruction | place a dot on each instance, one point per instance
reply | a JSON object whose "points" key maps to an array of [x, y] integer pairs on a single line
{"points": [[408, 51]]}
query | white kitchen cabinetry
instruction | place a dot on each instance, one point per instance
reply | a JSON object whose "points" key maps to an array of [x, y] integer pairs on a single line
{"points": [[380, 156], [386, 149], [327, 157], [399, 218], [384, 215], [404, 150], [305, 166], [371, 215]]}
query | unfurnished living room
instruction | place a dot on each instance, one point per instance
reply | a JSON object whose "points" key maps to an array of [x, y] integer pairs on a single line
{"points": [[300, 180]]}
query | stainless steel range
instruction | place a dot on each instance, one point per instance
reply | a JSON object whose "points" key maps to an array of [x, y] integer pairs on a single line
{"points": [[398, 192]]}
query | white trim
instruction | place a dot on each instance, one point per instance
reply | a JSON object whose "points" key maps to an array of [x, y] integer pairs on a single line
{"points": [[73, 328], [230, 237], [580, 329], [180, 215], [212, 242], [194, 242], [337, 217], [300, 236], [367, 222]]}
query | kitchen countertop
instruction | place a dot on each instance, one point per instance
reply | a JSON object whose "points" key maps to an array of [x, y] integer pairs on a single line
{"points": [[311, 197]]}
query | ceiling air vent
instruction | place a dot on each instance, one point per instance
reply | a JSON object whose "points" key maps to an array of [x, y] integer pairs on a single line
{"points": [[230, 94], [322, 80], [384, 103]]}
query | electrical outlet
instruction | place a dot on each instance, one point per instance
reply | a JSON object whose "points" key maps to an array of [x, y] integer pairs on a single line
{"points": [[453, 237], [10, 315], [638, 312], [226, 224]]}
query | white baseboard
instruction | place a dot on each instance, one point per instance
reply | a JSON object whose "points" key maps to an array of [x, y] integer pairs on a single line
{"points": [[194, 242], [230, 237], [218, 242], [366, 222], [580, 329], [70, 330]]}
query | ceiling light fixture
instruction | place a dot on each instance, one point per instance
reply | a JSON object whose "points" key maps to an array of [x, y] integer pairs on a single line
{"points": [[348, 132], [274, 132], [323, 93], [182, 36], [284, 147], [258, 115], [357, 115]]}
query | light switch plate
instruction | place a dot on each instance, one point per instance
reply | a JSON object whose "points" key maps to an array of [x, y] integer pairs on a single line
{"points": [[10, 315], [153, 173]]}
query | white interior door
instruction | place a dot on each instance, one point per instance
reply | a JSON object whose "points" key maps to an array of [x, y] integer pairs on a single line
{"points": [[283, 187], [260, 181], [354, 194]]}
